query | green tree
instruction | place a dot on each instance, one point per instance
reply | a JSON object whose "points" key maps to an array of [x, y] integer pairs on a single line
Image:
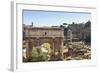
{"points": [[65, 24], [38, 55]]}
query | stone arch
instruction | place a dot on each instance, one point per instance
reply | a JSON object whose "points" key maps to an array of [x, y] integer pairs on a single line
{"points": [[37, 36]]}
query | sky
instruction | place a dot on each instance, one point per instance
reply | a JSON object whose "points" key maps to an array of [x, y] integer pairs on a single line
{"points": [[53, 18]]}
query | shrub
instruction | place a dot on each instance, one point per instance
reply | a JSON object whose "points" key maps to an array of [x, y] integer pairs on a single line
{"points": [[88, 39], [38, 55]]}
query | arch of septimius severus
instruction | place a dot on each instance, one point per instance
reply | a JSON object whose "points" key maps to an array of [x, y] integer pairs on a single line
{"points": [[36, 36]]}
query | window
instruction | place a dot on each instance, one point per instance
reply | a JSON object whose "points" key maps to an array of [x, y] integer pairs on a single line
{"points": [[45, 33]]}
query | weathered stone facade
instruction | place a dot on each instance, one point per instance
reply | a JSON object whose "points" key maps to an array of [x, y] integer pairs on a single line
{"points": [[36, 36]]}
